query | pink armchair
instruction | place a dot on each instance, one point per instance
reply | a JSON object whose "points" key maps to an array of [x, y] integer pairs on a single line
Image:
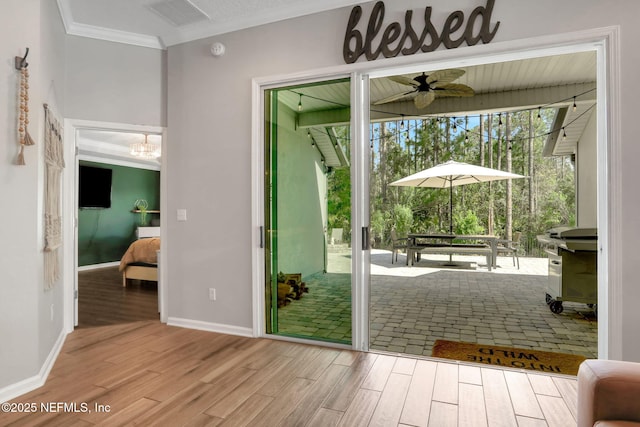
{"points": [[608, 394]]}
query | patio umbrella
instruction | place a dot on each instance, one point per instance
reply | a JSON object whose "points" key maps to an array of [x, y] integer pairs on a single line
{"points": [[451, 174]]}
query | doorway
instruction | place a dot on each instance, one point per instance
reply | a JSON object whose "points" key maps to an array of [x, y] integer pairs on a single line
{"points": [[308, 264], [103, 145]]}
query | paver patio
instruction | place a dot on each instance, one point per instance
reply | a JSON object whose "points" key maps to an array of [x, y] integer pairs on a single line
{"points": [[410, 308]]}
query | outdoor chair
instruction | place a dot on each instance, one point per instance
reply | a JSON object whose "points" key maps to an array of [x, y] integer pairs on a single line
{"points": [[396, 245], [510, 247], [336, 236]]}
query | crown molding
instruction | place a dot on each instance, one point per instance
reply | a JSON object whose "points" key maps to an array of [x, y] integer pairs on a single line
{"points": [[91, 31]]}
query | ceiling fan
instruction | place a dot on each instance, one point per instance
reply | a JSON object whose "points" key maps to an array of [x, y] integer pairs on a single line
{"points": [[428, 87]]}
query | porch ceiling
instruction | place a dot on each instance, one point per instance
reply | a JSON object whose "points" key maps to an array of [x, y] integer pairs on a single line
{"points": [[553, 81]]}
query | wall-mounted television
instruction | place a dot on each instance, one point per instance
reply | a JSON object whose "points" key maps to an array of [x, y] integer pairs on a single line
{"points": [[94, 187]]}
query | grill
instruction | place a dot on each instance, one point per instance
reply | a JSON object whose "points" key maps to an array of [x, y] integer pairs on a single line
{"points": [[573, 266]]}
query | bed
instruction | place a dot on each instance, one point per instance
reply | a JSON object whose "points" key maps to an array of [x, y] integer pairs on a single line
{"points": [[140, 261]]}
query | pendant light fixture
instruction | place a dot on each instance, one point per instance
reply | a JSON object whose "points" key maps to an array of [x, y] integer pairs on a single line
{"points": [[145, 150]]}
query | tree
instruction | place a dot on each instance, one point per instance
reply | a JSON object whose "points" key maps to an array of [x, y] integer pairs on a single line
{"points": [[532, 205]]}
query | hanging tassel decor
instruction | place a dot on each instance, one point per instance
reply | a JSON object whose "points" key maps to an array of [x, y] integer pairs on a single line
{"points": [[54, 165], [23, 113]]}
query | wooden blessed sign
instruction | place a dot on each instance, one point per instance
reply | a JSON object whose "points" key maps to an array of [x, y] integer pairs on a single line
{"points": [[402, 38]]}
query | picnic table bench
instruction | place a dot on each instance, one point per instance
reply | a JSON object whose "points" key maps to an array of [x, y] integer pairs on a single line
{"points": [[416, 247]]}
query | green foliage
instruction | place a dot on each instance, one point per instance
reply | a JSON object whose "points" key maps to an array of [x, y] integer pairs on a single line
{"points": [[378, 225], [423, 143], [397, 152], [467, 223], [339, 200], [402, 219]]}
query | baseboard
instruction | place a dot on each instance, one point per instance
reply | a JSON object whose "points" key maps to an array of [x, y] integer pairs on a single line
{"points": [[18, 389], [98, 266], [211, 327]]}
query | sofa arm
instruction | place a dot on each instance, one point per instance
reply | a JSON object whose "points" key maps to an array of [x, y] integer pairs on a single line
{"points": [[608, 390]]}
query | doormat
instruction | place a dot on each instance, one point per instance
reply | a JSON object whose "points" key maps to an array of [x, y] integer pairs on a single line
{"points": [[542, 361]]}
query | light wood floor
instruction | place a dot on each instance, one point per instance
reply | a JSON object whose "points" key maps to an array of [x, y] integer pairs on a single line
{"points": [[152, 374]]}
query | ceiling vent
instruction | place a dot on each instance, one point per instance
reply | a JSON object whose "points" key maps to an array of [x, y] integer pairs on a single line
{"points": [[179, 12]]}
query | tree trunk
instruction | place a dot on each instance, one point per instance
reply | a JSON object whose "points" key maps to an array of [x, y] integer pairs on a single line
{"points": [[508, 225], [499, 143], [448, 136], [383, 162], [481, 140], [490, 221], [436, 146], [532, 207]]}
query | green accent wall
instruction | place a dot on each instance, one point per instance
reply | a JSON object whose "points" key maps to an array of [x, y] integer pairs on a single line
{"points": [[105, 234]]}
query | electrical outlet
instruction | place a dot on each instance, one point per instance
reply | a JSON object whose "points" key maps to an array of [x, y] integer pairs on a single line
{"points": [[212, 294]]}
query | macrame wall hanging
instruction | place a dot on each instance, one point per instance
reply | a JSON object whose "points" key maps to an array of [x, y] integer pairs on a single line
{"points": [[54, 164], [23, 106]]}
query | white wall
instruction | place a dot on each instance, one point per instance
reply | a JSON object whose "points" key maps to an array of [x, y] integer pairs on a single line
{"points": [[114, 82], [79, 79], [209, 116], [27, 332]]}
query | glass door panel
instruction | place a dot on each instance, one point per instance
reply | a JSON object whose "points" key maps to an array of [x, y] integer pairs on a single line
{"points": [[308, 211]]}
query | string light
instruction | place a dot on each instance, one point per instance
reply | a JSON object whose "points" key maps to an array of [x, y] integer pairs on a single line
{"points": [[438, 118], [564, 134], [434, 119], [300, 103]]}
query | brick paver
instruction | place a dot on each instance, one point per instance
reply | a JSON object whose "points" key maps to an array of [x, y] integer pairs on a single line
{"points": [[410, 308]]}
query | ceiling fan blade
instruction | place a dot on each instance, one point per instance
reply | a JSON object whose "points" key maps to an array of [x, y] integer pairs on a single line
{"points": [[441, 77], [424, 99], [454, 89], [393, 97], [403, 80]]}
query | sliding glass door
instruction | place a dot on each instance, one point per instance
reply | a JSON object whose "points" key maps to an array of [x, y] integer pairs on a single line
{"points": [[308, 265]]}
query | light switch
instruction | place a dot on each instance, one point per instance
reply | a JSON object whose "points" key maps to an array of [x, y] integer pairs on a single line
{"points": [[182, 214]]}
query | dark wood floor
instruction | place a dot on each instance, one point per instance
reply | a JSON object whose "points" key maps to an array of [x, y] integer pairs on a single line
{"points": [[104, 301]]}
